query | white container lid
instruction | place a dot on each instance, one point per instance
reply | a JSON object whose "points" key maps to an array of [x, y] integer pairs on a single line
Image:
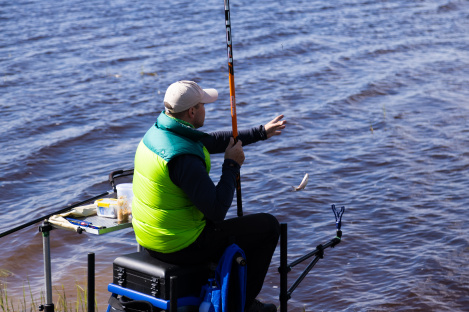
{"points": [[125, 189]]}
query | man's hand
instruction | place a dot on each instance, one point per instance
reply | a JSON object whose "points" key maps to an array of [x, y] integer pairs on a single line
{"points": [[235, 152], [273, 127]]}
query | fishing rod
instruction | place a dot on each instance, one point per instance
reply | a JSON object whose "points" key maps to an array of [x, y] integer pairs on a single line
{"points": [[54, 213], [234, 121], [113, 175]]}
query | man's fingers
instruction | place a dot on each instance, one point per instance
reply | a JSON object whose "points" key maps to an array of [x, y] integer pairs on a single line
{"points": [[231, 142], [277, 118]]}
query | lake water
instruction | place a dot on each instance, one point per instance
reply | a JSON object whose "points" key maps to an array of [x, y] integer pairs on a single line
{"points": [[376, 95]]}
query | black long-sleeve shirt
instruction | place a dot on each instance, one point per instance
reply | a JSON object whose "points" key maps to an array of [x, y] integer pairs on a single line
{"points": [[190, 174]]}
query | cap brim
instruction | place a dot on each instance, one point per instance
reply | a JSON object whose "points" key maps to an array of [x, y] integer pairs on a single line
{"points": [[210, 96]]}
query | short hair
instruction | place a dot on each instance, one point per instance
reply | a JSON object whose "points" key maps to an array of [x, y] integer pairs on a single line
{"points": [[178, 115]]}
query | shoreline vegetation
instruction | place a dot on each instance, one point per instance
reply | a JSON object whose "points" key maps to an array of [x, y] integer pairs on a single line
{"points": [[28, 302]]}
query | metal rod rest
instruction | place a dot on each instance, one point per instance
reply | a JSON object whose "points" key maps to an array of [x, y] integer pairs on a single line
{"points": [[285, 268], [312, 253], [303, 275]]}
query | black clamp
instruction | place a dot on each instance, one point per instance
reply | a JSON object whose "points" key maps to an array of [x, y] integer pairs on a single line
{"points": [[46, 307], [320, 253], [45, 227]]}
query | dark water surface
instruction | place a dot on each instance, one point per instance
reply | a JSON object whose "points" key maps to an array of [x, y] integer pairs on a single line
{"points": [[376, 94]]}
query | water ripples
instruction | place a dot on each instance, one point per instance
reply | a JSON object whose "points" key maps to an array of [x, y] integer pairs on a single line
{"points": [[375, 94]]}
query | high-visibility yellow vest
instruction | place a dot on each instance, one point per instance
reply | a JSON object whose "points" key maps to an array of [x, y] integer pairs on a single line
{"points": [[164, 219]]}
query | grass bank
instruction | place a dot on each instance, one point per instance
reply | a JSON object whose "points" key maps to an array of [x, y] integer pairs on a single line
{"points": [[28, 302]]}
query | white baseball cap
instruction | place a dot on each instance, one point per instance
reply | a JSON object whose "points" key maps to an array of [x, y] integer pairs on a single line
{"points": [[184, 94]]}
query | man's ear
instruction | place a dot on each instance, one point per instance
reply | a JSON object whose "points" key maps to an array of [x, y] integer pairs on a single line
{"points": [[191, 111]]}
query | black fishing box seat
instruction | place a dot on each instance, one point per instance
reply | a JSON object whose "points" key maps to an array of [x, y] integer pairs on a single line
{"points": [[139, 276]]}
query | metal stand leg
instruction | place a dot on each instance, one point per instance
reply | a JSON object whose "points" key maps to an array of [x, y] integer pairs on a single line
{"points": [[283, 269], [91, 281], [173, 303], [45, 229]]}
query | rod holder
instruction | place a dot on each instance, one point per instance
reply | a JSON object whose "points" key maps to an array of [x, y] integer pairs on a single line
{"points": [[285, 268]]}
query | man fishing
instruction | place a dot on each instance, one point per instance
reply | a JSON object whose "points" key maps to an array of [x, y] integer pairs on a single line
{"points": [[178, 212]]}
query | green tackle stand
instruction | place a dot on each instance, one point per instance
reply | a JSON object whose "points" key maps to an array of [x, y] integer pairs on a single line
{"points": [[108, 225]]}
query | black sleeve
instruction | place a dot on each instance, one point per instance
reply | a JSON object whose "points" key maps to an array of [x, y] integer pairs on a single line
{"points": [[189, 173], [217, 142]]}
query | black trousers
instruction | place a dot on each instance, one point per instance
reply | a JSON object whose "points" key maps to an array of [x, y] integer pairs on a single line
{"points": [[257, 234]]}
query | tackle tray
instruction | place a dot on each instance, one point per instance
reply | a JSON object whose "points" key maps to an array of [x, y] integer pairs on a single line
{"points": [[141, 272]]}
